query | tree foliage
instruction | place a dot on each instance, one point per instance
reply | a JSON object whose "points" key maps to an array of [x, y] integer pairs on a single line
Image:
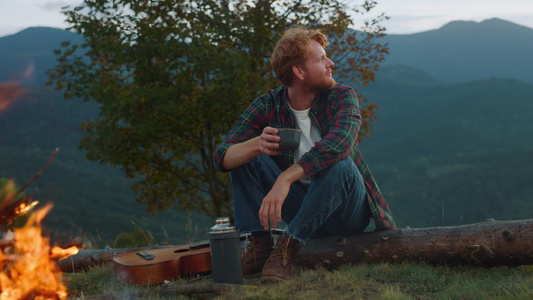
{"points": [[172, 76]]}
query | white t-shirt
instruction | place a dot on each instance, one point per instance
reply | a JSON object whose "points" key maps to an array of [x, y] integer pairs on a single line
{"points": [[309, 136]]}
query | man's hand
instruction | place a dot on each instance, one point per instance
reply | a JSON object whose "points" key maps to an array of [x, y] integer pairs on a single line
{"points": [[269, 141], [272, 203], [240, 154]]}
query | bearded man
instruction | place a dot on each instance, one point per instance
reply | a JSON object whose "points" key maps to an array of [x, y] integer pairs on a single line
{"points": [[322, 188]]}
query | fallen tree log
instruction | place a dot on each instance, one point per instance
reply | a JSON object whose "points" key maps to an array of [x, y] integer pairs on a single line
{"points": [[86, 258], [487, 243]]}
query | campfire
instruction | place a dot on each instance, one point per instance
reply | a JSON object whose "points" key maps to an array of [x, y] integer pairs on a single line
{"points": [[29, 263]]}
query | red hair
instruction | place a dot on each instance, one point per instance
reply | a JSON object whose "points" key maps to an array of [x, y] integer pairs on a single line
{"points": [[294, 48]]}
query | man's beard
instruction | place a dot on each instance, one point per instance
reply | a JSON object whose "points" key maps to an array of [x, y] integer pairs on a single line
{"points": [[324, 83], [333, 83], [328, 84]]}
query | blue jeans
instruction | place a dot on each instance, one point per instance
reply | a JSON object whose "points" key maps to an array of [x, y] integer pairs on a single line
{"points": [[334, 203]]}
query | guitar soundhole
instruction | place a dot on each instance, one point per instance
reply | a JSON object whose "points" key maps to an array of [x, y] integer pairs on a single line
{"points": [[181, 250]]}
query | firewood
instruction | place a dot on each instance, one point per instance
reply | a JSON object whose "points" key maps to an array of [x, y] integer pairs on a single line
{"points": [[86, 259], [10, 210], [487, 243]]}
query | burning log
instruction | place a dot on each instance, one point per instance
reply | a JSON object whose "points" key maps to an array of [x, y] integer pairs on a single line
{"points": [[9, 211], [16, 209], [86, 259], [488, 243]]}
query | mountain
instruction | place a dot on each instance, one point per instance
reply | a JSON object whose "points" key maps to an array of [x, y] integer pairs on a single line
{"points": [[457, 52], [451, 153], [463, 51], [445, 150], [31, 50]]}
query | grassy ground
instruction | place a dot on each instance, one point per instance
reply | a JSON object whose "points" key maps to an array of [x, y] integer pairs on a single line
{"points": [[362, 281]]}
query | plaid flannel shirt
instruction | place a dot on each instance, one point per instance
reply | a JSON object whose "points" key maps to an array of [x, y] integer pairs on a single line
{"points": [[336, 113]]}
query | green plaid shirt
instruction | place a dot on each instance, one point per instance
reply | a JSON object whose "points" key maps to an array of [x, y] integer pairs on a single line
{"points": [[336, 113]]}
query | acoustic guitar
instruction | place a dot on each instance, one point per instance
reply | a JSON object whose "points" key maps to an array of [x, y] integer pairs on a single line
{"points": [[143, 267], [157, 265]]}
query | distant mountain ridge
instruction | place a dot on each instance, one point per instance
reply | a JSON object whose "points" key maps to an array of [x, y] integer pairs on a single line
{"points": [[31, 48], [35, 39], [464, 51], [462, 145], [457, 52]]}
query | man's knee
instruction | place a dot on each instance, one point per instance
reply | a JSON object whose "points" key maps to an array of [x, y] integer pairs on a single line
{"points": [[345, 164], [345, 168]]}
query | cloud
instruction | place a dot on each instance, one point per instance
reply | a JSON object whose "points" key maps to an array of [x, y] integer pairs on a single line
{"points": [[56, 5]]}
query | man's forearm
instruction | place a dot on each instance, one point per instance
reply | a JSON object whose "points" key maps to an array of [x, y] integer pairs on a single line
{"points": [[239, 154], [292, 174]]}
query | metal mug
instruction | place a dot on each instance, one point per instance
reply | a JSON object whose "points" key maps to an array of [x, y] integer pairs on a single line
{"points": [[290, 138]]}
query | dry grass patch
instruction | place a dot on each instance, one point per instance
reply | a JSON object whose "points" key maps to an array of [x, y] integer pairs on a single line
{"points": [[362, 281]]}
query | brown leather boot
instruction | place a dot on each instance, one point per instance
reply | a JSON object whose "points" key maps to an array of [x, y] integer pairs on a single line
{"points": [[278, 266], [257, 252]]}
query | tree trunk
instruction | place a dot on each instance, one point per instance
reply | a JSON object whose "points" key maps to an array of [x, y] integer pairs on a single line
{"points": [[86, 259], [486, 243]]}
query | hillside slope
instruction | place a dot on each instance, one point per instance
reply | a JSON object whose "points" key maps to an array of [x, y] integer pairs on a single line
{"points": [[463, 51], [448, 154]]}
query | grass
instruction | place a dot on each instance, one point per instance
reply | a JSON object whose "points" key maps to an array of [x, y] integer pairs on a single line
{"points": [[380, 281]]}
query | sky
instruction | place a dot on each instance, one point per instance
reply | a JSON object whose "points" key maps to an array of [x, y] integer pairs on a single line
{"points": [[406, 16]]}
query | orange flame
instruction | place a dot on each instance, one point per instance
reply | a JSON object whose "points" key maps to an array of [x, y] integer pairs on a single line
{"points": [[59, 253], [11, 90], [23, 208], [29, 270]]}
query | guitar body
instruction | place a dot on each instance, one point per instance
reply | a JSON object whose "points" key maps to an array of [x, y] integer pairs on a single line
{"points": [[143, 267], [157, 265]]}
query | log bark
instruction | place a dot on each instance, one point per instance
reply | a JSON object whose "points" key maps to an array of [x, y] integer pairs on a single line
{"points": [[487, 243], [86, 259]]}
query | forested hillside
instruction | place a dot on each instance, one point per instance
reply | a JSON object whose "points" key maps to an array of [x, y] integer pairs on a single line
{"points": [[443, 153], [89, 198], [448, 154]]}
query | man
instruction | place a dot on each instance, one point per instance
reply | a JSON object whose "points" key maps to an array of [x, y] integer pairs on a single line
{"points": [[322, 188]]}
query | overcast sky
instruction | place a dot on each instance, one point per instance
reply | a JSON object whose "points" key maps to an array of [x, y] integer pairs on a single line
{"points": [[407, 16]]}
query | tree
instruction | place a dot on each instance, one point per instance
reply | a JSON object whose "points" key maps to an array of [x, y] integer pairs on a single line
{"points": [[488, 243], [172, 76]]}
